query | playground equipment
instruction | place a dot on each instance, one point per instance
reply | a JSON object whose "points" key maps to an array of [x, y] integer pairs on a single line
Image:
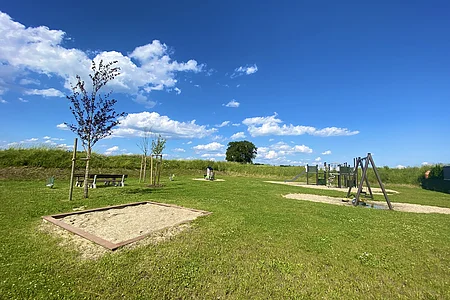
{"points": [[209, 173], [364, 167], [337, 175]]}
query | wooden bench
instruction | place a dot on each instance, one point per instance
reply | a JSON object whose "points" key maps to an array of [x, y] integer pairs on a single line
{"points": [[108, 179]]}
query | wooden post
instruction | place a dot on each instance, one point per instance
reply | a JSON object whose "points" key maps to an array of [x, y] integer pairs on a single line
{"points": [[367, 182], [317, 175], [355, 171], [307, 173], [74, 157], [369, 156], [364, 174]]}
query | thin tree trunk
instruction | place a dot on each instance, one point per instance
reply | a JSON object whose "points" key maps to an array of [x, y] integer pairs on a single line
{"points": [[140, 171], [160, 169], [145, 168], [86, 174], [151, 169]]}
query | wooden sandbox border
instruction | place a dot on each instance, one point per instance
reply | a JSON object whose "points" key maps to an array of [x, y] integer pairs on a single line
{"points": [[105, 243]]}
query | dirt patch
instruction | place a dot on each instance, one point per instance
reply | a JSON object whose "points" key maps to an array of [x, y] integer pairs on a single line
{"points": [[406, 207], [203, 179], [120, 225], [375, 190]]}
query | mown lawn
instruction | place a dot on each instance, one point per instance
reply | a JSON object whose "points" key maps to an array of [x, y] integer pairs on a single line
{"points": [[255, 245]]}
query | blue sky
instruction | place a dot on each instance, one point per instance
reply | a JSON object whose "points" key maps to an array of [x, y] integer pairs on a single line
{"points": [[305, 81]]}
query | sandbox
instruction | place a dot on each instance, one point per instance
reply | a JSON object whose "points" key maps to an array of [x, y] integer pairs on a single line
{"points": [[115, 226]]}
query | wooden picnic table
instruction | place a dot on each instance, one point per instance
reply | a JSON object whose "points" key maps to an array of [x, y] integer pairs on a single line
{"points": [[108, 179]]}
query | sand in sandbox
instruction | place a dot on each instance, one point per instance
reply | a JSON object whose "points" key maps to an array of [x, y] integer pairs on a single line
{"points": [[406, 207], [120, 224]]}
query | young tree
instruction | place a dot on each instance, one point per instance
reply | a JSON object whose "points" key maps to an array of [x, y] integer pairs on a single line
{"points": [[94, 113], [158, 146], [144, 146], [242, 152]]}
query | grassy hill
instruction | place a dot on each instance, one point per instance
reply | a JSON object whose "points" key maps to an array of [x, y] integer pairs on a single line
{"points": [[22, 163]]}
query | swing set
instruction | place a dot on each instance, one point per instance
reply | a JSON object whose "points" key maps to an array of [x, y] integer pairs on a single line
{"points": [[364, 164]]}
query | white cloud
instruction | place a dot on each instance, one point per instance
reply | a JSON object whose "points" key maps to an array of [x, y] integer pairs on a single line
{"points": [[50, 142], [232, 103], [190, 142], [236, 124], [46, 137], [177, 90], [271, 125], [400, 167], [3, 101], [278, 152], [137, 124], [62, 126], [64, 146], [22, 100], [142, 99], [31, 140], [223, 124], [244, 70], [111, 150], [328, 152], [218, 138], [46, 92], [40, 50], [271, 155], [27, 81], [302, 149], [426, 164], [238, 135], [281, 146], [214, 146], [178, 150], [212, 155], [318, 159]]}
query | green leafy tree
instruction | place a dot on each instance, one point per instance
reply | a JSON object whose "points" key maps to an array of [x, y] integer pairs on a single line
{"points": [[158, 145], [241, 152], [94, 113]]}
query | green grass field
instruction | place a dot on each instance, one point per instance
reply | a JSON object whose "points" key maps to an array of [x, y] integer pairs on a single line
{"points": [[255, 245]]}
